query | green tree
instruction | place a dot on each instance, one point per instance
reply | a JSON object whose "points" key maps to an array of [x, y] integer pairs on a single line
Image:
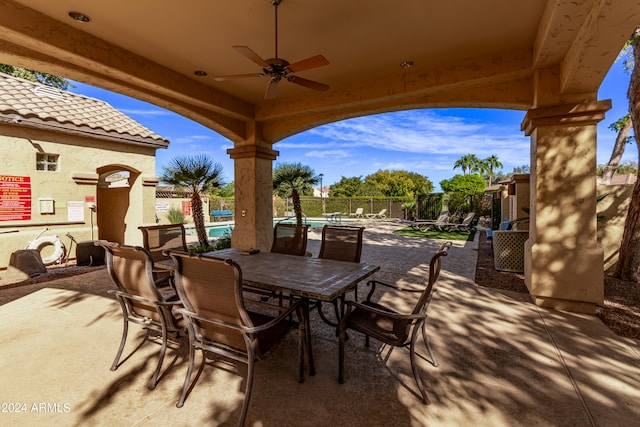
{"points": [[623, 127], [198, 174], [492, 163], [36, 76], [399, 183], [468, 184], [468, 162], [347, 187], [227, 190], [291, 179], [521, 169], [461, 190]]}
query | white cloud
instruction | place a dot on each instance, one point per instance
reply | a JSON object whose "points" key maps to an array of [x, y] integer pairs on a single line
{"points": [[150, 112], [191, 139], [332, 154]]}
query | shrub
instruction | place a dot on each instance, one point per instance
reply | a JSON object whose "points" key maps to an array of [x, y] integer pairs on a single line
{"points": [[224, 241], [175, 216]]}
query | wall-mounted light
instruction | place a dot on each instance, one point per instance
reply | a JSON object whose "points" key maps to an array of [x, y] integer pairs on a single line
{"points": [[79, 16], [407, 64]]}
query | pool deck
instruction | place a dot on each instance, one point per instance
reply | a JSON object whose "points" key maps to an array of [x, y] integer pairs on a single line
{"points": [[503, 362]]}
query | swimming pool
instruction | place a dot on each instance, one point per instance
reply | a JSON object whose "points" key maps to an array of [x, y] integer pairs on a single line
{"points": [[215, 231]]}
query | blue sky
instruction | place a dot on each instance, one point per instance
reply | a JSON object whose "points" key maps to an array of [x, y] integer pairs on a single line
{"points": [[423, 141]]}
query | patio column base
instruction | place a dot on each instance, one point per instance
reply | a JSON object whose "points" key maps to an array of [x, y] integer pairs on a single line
{"points": [[566, 305], [565, 278]]}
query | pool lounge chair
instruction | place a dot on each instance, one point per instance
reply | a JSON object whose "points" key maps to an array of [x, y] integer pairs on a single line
{"points": [[466, 224], [380, 214], [357, 213], [431, 224]]}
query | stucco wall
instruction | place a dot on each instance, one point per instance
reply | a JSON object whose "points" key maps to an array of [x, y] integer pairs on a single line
{"points": [[163, 204], [76, 180], [614, 209]]}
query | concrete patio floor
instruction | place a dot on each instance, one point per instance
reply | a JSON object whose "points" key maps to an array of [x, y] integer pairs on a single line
{"points": [[503, 362]]}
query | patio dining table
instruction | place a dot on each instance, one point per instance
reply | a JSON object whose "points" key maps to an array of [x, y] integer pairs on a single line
{"points": [[304, 277]]}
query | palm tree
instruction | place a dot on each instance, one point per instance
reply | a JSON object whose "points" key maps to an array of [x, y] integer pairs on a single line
{"points": [[492, 163], [289, 179], [467, 162], [197, 174]]}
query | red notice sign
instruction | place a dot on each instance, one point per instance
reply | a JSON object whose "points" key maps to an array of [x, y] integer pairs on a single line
{"points": [[15, 198], [186, 208]]}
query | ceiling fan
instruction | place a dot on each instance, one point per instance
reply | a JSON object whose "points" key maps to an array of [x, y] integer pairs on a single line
{"points": [[277, 68]]}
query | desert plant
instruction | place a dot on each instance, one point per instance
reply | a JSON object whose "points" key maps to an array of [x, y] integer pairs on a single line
{"points": [[175, 216], [291, 179], [224, 241], [409, 209], [198, 174]]}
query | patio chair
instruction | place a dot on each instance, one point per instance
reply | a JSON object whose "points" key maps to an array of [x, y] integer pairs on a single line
{"points": [[430, 224], [340, 243], [290, 239], [159, 238], [393, 328], [357, 213], [381, 214], [466, 224], [218, 322], [142, 300]]}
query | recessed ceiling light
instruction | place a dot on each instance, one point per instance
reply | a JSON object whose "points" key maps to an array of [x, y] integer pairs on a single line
{"points": [[407, 64], [79, 16], [200, 73]]}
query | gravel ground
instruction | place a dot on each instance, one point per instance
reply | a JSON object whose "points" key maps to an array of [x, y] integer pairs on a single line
{"points": [[621, 309]]}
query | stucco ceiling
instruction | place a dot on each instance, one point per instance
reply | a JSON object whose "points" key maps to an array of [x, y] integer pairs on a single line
{"points": [[493, 53]]}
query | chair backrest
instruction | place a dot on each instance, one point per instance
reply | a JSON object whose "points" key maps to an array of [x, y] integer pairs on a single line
{"points": [[290, 239], [443, 218], [131, 269], [212, 288], [434, 272], [159, 238], [359, 211], [469, 218], [382, 212], [342, 243]]}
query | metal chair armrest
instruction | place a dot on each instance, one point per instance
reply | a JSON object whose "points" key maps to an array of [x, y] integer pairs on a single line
{"points": [[391, 314], [143, 299], [374, 283]]}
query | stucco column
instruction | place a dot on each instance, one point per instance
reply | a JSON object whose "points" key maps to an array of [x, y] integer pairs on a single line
{"points": [[135, 210], [253, 195], [564, 266]]}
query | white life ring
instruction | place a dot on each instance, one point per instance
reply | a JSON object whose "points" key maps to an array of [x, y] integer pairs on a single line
{"points": [[58, 248]]}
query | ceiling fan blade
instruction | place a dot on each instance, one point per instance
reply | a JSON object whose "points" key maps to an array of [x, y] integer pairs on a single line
{"points": [[308, 83], [244, 50], [272, 89], [307, 64], [236, 76]]}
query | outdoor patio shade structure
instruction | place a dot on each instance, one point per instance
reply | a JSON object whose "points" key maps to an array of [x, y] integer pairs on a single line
{"points": [[541, 56]]}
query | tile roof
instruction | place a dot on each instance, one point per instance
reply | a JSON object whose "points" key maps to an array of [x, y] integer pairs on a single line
{"points": [[29, 104]]}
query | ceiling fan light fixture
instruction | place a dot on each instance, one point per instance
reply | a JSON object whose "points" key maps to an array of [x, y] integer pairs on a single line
{"points": [[277, 68], [79, 16], [407, 64], [200, 73]]}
